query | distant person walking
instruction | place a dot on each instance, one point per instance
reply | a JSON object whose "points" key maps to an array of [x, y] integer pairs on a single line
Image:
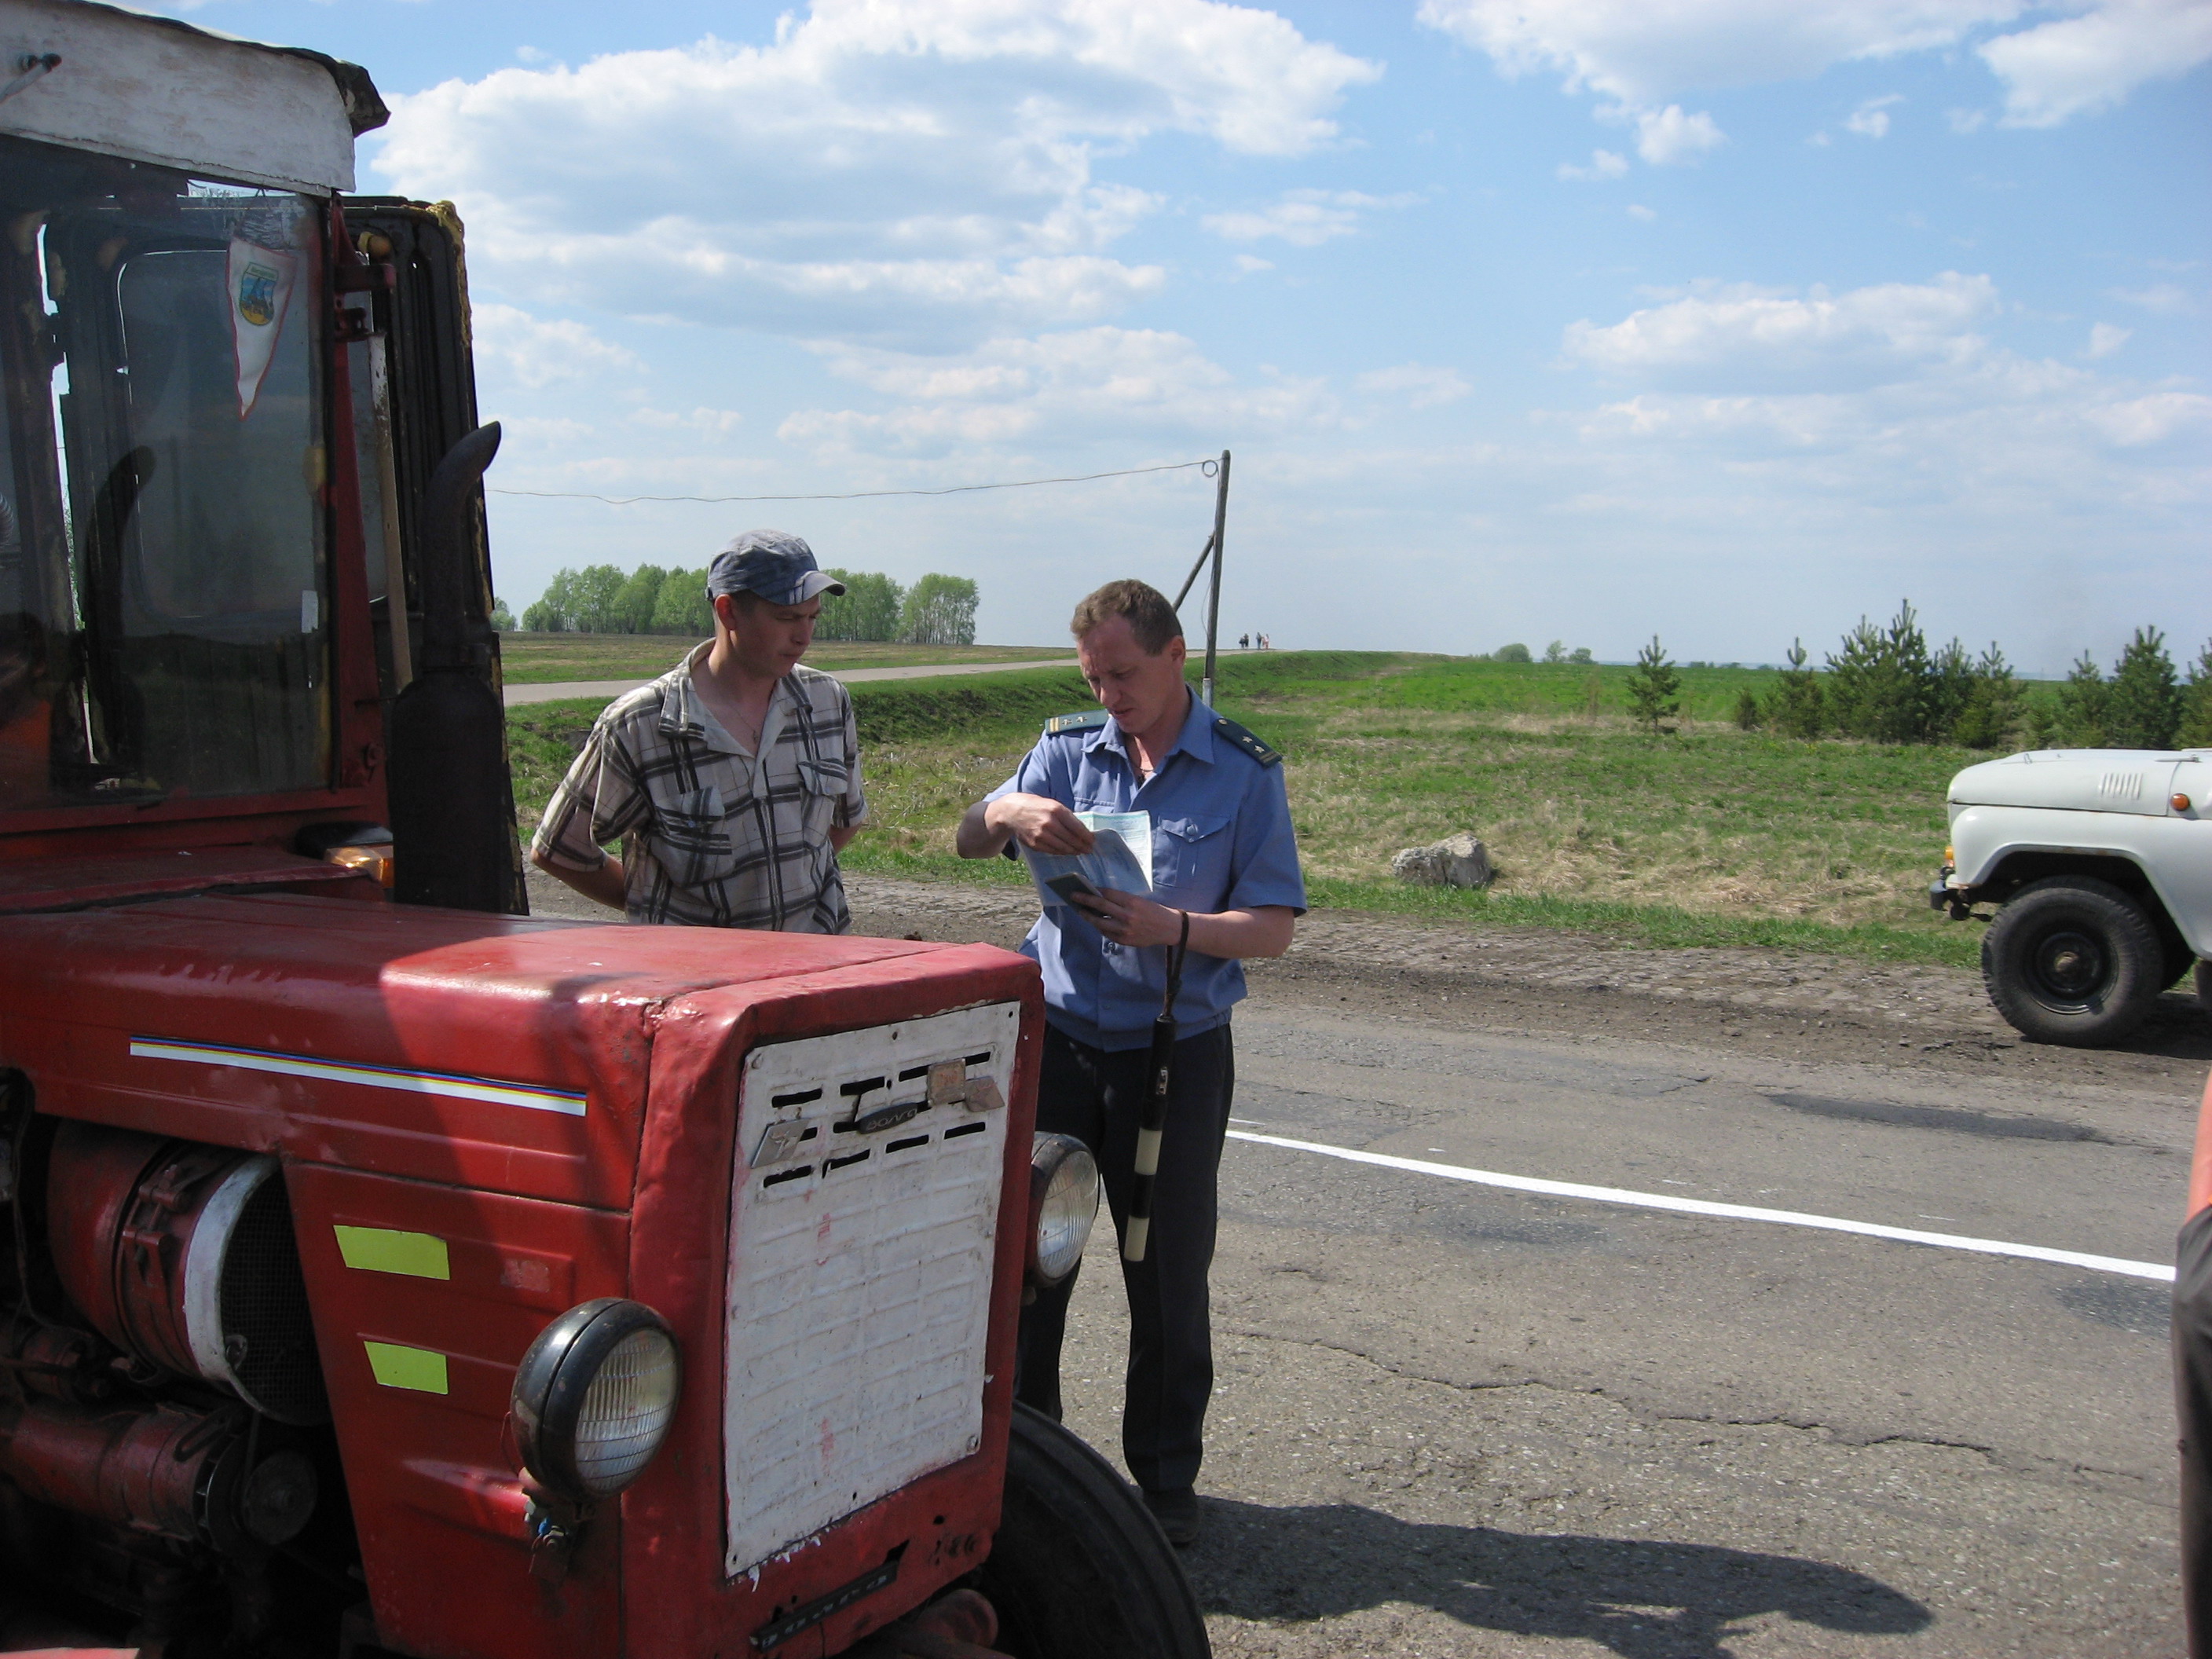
{"points": [[1243, 641], [733, 780]]}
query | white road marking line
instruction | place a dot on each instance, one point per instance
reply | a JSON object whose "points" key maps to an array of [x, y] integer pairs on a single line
{"points": [[2103, 1264], [450, 1086]]}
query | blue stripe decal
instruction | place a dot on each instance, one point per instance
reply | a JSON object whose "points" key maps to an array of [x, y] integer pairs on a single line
{"points": [[448, 1084]]}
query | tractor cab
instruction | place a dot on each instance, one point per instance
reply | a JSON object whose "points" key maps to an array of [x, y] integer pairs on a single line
{"points": [[384, 1271]]}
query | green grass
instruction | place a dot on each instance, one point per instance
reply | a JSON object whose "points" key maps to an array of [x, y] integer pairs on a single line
{"points": [[1703, 837], [554, 659]]}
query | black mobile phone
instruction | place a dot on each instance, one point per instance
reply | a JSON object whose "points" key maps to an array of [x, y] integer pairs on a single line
{"points": [[1071, 887]]}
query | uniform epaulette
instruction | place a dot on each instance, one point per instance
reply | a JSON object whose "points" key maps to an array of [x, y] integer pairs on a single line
{"points": [[1090, 720], [1255, 747]]}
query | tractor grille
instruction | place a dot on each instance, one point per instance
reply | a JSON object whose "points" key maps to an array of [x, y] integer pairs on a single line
{"points": [[268, 1331], [862, 1240]]}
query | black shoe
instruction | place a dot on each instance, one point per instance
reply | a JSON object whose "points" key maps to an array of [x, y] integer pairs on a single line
{"points": [[1176, 1510]]}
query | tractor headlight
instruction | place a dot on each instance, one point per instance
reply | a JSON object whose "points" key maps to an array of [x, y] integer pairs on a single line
{"points": [[1063, 1203], [593, 1397]]}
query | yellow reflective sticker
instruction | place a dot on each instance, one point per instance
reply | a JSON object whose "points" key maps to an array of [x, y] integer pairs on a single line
{"points": [[395, 1367], [382, 1250]]}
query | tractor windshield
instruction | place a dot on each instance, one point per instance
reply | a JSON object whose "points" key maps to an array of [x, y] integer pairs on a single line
{"points": [[163, 584]]}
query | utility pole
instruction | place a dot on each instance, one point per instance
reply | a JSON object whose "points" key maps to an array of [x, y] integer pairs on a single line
{"points": [[1213, 592]]}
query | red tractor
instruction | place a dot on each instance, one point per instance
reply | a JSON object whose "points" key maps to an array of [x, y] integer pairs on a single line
{"points": [[383, 1271]]}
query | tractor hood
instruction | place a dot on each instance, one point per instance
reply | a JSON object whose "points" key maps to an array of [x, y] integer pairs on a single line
{"points": [[2135, 781], [506, 1054]]}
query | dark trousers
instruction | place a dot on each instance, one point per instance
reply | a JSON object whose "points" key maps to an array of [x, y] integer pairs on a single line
{"points": [[2192, 1400], [1093, 1095]]}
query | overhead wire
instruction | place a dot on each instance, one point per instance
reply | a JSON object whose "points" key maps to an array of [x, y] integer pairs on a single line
{"points": [[1208, 467]]}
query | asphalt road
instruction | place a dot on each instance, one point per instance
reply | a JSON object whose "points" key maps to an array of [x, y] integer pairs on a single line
{"points": [[1452, 1419], [1455, 1420]]}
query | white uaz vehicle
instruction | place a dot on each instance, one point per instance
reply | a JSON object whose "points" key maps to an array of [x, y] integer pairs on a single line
{"points": [[2099, 862]]}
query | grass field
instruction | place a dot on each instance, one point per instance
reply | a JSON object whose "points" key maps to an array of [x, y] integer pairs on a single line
{"points": [[1705, 835], [551, 659]]}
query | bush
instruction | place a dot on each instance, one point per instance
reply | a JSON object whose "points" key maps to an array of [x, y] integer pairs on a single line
{"points": [[1512, 653], [1746, 710], [1882, 685]]}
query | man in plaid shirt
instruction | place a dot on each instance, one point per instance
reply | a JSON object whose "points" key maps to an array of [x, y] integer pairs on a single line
{"points": [[733, 780]]}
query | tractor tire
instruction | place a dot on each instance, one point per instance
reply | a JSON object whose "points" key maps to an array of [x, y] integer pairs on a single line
{"points": [[1079, 1569], [2074, 961]]}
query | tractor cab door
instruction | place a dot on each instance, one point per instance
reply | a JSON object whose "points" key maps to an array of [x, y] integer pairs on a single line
{"points": [[429, 567]]}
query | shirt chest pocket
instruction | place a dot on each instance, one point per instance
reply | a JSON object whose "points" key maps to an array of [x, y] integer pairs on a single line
{"points": [[822, 783], [691, 836], [1191, 854]]}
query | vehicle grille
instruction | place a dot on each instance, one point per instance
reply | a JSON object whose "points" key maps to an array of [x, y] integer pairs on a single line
{"points": [[860, 1281]]}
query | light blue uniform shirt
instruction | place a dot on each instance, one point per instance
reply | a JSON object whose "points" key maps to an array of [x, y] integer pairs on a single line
{"points": [[1221, 841]]}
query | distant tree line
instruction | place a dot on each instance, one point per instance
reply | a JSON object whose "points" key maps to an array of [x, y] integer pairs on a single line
{"points": [[600, 599], [1887, 685]]}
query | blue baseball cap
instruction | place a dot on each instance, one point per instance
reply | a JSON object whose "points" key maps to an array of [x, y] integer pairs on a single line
{"points": [[777, 566]]}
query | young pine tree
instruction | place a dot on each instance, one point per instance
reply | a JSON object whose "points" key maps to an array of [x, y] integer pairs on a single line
{"points": [[1655, 688], [1796, 707], [1992, 710], [2080, 719], [2143, 705], [2197, 703]]}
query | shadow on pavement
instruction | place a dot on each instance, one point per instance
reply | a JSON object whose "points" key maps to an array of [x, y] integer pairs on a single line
{"points": [[1642, 1599]]}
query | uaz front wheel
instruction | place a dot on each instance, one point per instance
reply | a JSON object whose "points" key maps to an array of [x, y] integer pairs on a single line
{"points": [[2072, 960]]}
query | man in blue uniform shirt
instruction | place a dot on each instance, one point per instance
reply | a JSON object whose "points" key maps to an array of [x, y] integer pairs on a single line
{"points": [[1224, 854]]}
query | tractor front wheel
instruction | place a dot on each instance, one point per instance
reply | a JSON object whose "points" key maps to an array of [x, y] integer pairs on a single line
{"points": [[1079, 1569]]}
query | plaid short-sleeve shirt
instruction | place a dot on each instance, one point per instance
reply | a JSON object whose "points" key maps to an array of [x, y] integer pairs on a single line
{"points": [[711, 836]]}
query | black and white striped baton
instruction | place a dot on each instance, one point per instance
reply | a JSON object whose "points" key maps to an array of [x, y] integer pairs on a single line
{"points": [[1153, 1117]]}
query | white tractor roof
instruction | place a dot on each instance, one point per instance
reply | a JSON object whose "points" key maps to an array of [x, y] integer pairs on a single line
{"points": [[152, 89]]}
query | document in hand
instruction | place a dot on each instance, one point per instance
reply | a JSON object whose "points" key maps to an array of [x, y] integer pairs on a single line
{"points": [[1120, 857]]}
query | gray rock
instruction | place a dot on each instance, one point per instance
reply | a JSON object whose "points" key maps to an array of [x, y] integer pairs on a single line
{"points": [[1457, 860]]}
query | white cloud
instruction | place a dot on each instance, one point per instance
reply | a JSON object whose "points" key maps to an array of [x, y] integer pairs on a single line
{"points": [[534, 352], [1604, 164], [1252, 264], [707, 423], [1871, 118], [1966, 120], [2074, 65], [2163, 299], [918, 172], [1304, 218], [1638, 211], [1642, 54], [2152, 419], [1666, 136], [1746, 338], [1423, 386], [2105, 339], [1094, 383]]}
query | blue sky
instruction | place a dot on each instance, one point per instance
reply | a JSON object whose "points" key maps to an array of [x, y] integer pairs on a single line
{"points": [[1526, 319]]}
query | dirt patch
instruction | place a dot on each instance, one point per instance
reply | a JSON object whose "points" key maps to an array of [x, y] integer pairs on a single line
{"points": [[1800, 1006]]}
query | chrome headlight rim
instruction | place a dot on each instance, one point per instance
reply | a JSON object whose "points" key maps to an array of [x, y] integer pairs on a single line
{"points": [[1062, 1173], [555, 1380]]}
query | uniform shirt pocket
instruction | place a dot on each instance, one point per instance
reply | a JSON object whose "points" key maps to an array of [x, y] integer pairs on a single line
{"points": [[1191, 855], [692, 837]]}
